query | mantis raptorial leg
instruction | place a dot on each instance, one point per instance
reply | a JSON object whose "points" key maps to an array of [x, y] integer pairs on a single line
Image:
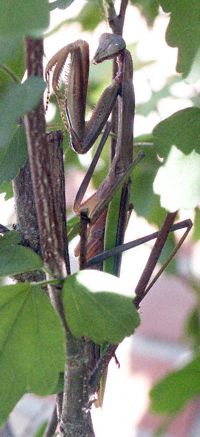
{"points": [[73, 59], [73, 103]]}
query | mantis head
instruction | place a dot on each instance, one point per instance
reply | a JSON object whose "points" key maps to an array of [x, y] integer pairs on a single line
{"points": [[110, 46]]}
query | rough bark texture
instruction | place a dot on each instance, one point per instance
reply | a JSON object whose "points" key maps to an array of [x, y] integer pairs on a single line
{"points": [[26, 219], [76, 418], [26, 215]]}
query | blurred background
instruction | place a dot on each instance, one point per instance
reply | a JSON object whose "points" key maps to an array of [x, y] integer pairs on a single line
{"points": [[170, 312]]}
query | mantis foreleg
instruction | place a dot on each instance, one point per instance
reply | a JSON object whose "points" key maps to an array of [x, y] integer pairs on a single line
{"points": [[72, 99]]}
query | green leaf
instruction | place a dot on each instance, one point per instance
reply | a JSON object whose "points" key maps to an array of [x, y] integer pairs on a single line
{"points": [[90, 16], [16, 259], [149, 9], [9, 167], [184, 32], [11, 237], [182, 129], [6, 188], [178, 179], [172, 393], [96, 308], [146, 203], [23, 17], [60, 4], [31, 344], [10, 48], [196, 225], [17, 100], [192, 327], [40, 431], [13, 69], [73, 227]]}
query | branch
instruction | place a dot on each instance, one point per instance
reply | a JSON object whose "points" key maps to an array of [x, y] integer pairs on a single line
{"points": [[51, 232], [27, 223], [49, 207], [116, 22]]}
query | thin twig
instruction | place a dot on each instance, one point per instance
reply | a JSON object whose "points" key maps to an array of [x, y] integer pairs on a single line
{"points": [[116, 22]]}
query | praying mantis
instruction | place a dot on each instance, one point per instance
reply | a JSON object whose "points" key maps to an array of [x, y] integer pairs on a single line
{"points": [[73, 104]]}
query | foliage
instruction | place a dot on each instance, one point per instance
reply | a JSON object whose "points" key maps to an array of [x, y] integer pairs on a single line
{"points": [[170, 395], [31, 338], [31, 344], [149, 9], [15, 258], [177, 141], [184, 32], [96, 296]]}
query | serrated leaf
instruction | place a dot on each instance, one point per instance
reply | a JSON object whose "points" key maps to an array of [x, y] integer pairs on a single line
{"points": [[96, 308], [17, 100], [177, 139], [182, 129], [9, 167], [184, 32], [16, 259], [23, 17], [172, 393], [31, 344]]}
